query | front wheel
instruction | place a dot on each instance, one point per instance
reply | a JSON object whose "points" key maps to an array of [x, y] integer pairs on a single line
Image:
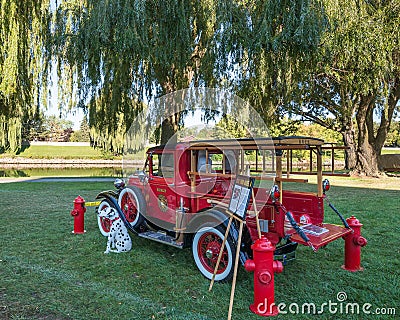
{"points": [[133, 205], [207, 243]]}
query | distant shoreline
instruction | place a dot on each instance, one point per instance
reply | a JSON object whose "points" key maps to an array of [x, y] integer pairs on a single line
{"points": [[54, 143], [20, 162]]}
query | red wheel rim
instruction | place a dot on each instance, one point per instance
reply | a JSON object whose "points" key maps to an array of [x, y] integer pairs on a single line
{"points": [[129, 207], [208, 249]]}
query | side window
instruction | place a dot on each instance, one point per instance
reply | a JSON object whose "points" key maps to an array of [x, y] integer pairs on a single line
{"points": [[163, 165], [167, 165], [155, 164], [230, 161], [216, 162], [203, 164]]}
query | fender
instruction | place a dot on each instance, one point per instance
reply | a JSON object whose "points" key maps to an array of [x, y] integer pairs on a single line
{"points": [[111, 197], [215, 216], [108, 193]]}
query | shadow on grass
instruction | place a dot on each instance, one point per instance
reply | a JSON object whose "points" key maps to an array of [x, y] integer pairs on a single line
{"points": [[24, 146]]}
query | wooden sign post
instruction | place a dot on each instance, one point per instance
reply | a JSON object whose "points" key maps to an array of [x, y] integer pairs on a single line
{"points": [[242, 190]]}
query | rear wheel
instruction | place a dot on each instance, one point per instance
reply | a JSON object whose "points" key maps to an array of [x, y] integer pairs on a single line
{"points": [[207, 243], [133, 205], [104, 223]]}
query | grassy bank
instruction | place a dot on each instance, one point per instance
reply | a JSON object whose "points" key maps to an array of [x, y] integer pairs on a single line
{"points": [[61, 172], [61, 152], [48, 273]]}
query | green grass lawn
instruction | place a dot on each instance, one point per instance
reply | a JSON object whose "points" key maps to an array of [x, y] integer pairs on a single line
{"points": [[62, 152], [391, 151], [48, 273], [69, 152]]}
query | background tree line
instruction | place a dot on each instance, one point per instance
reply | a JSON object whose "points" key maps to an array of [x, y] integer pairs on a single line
{"points": [[54, 128], [333, 62]]}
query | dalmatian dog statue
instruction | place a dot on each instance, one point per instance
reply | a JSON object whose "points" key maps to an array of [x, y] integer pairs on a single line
{"points": [[118, 236]]}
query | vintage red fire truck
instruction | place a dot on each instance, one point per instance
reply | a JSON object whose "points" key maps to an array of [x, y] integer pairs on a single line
{"points": [[180, 198]]}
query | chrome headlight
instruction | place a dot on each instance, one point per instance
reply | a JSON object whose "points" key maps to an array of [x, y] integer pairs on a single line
{"points": [[119, 183]]}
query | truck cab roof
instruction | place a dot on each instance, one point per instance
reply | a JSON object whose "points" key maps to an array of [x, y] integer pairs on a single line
{"points": [[291, 142]]}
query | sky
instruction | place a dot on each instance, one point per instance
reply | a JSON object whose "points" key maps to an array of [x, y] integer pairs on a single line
{"points": [[76, 115]]}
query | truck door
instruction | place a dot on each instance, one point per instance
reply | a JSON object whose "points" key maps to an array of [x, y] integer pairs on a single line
{"points": [[162, 197]]}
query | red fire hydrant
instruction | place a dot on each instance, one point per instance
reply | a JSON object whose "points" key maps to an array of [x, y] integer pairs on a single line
{"points": [[78, 214], [264, 266], [352, 246]]}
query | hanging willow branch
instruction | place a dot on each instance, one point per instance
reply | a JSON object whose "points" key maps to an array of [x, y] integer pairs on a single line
{"points": [[121, 52], [23, 65]]}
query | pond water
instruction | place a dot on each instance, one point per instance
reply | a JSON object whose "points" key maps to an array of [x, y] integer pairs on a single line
{"points": [[61, 172]]}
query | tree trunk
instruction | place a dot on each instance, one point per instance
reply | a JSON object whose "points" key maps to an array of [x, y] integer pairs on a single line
{"points": [[170, 125], [169, 128], [369, 143], [367, 161], [367, 158]]}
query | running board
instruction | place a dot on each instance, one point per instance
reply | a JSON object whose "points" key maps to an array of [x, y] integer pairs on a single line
{"points": [[162, 238]]}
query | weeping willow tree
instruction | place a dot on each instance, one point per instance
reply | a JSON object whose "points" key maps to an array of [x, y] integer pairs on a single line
{"points": [[354, 86], [333, 62], [114, 55], [23, 65]]}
